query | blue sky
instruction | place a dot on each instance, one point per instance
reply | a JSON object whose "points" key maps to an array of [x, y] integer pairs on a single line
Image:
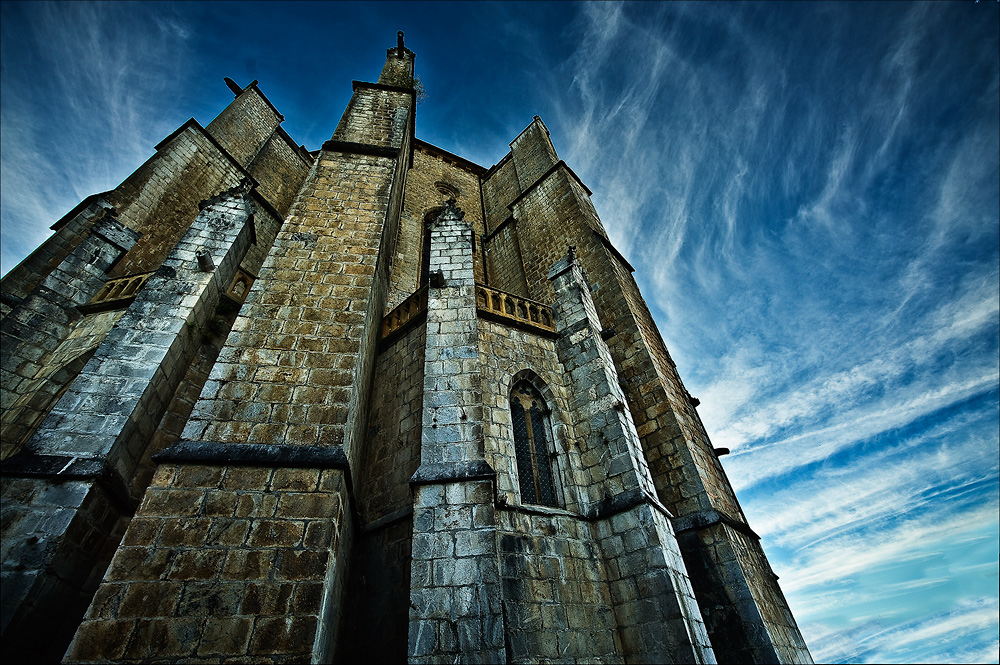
{"points": [[809, 194]]}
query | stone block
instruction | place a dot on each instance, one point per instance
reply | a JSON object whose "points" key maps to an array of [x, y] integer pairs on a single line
{"points": [[227, 636], [197, 565], [100, 640], [149, 599], [265, 598], [163, 638], [301, 565], [276, 533]]}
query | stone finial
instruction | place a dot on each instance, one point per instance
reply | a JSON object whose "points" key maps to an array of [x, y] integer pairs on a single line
{"points": [[399, 44]]}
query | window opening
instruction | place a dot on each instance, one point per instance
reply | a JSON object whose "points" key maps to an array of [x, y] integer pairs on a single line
{"points": [[531, 446]]}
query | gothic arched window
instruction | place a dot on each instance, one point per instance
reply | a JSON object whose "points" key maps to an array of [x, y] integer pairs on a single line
{"points": [[531, 445]]}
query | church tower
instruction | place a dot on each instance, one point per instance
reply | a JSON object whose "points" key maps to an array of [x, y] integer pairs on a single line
{"points": [[366, 403]]}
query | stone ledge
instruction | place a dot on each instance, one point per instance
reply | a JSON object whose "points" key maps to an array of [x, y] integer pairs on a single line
{"points": [[60, 468], [545, 511], [704, 519], [453, 472], [361, 148], [612, 505], [254, 454], [607, 508], [355, 85]]}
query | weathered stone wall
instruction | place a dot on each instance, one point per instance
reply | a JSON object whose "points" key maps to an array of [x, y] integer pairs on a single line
{"points": [[398, 67], [220, 563], [96, 434], [280, 168], [58, 539], [245, 126], [39, 394], [157, 203], [434, 177], [376, 116], [307, 332], [718, 557], [145, 355], [455, 603], [392, 450], [287, 371], [557, 602], [655, 607], [267, 226], [500, 188], [29, 273], [160, 199], [508, 355], [506, 265], [532, 153], [556, 212], [34, 330]]}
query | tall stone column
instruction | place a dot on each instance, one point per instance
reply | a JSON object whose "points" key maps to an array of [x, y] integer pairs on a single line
{"points": [[41, 322], [455, 609], [245, 534], [68, 494], [655, 609]]}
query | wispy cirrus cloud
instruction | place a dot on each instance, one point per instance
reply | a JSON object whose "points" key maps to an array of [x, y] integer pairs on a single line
{"points": [[956, 636], [105, 78], [810, 199]]}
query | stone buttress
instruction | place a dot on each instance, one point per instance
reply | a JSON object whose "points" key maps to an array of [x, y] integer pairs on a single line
{"points": [[93, 440], [657, 617], [97, 373], [535, 207], [244, 536], [455, 604]]}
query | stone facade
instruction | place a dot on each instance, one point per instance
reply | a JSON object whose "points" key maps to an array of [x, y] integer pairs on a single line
{"points": [[371, 402]]}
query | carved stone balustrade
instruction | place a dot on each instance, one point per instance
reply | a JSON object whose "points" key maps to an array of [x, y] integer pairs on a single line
{"points": [[406, 311], [514, 310], [492, 304], [117, 293]]}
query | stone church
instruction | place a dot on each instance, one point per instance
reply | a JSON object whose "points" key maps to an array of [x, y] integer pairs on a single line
{"points": [[367, 403]]}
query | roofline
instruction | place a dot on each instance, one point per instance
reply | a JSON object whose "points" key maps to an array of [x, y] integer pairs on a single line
{"points": [[467, 163]]}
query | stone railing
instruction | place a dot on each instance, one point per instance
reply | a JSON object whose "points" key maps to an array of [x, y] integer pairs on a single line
{"points": [[514, 310], [117, 293], [405, 312], [495, 304]]}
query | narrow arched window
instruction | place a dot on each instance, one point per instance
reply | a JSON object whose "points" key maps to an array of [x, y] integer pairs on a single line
{"points": [[531, 445]]}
